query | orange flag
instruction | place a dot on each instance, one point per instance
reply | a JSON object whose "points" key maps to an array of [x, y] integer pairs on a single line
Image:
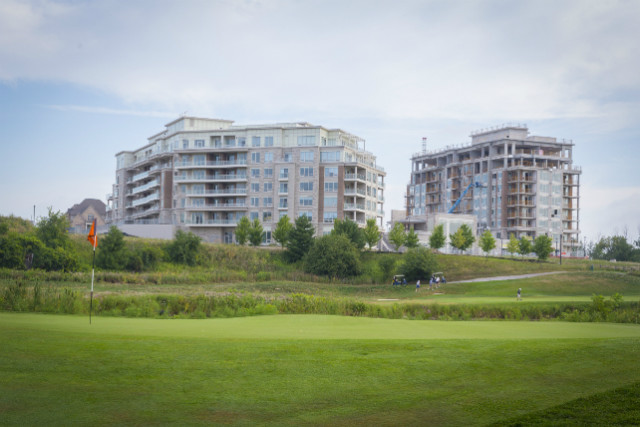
{"points": [[93, 236]]}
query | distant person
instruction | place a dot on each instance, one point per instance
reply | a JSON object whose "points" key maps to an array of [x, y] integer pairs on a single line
{"points": [[431, 282], [519, 296], [444, 280], [437, 282], [418, 285], [404, 281]]}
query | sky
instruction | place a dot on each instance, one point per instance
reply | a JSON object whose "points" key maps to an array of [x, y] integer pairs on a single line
{"points": [[82, 80]]}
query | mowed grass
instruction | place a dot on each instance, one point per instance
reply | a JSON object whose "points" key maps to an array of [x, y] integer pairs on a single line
{"points": [[302, 370]]}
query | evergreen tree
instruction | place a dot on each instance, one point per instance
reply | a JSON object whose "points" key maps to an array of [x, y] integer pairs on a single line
{"points": [[437, 239], [350, 229], [300, 239]]}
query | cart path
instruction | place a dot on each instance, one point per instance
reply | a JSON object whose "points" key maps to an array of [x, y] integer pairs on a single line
{"points": [[498, 278]]}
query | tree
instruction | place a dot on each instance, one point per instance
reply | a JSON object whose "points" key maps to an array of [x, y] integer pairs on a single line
{"points": [[487, 242], [242, 230], [112, 254], [397, 236], [542, 246], [371, 233], [419, 263], [350, 229], [524, 246], [281, 233], [437, 239], [463, 238], [300, 239], [256, 233], [333, 255], [512, 246], [614, 247], [411, 240], [184, 248], [53, 230]]}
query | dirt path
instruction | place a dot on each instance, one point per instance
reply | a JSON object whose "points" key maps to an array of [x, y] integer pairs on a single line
{"points": [[497, 278]]}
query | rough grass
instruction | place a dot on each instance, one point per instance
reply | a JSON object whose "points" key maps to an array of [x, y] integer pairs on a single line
{"points": [[301, 370]]}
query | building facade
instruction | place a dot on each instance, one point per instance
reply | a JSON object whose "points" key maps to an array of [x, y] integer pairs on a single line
{"points": [[81, 215], [515, 183], [203, 175]]}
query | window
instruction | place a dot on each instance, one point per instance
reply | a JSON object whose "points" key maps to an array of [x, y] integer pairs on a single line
{"points": [[242, 141], [268, 173], [306, 156], [306, 140], [266, 216], [268, 141], [330, 156], [268, 187], [306, 201], [253, 215], [288, 157], [199, 160], [255, 187], [329, 217], [255, 202], [331, 202], [284, 173], [268, 157], [306, 171], [255, 173], [282, 213], [255, 141], [308, 214], [255, 157], [330, 187], [284, 187], [306, 186], [330, 172], [199, 143], [283, 202], [198, 174], [185, 144], [267, 201]]}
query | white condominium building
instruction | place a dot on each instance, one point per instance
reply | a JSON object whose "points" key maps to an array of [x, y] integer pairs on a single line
{"points": [[514, 183], [203, 175]]}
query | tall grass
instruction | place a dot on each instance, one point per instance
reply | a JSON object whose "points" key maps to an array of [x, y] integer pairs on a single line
{"points": [[23, 296]]}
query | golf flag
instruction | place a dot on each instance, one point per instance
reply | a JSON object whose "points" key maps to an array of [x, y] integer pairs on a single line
{"points": [[93, 236]]}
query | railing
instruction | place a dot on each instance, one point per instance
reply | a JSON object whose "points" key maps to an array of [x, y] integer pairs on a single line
{"points": [[353, 192], [215, 192], [146, 186], [149, 198], [213, 222], [354, 206], [214, 206], [213, 178], [238, 162]]}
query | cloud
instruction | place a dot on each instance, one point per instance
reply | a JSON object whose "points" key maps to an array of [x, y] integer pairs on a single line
{"points": [[412, 59]]}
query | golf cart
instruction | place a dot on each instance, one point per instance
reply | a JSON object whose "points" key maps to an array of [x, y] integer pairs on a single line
{"points": [[399, 279]]}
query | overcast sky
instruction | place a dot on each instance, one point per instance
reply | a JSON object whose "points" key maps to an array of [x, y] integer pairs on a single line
{"points": [[83, 80]]}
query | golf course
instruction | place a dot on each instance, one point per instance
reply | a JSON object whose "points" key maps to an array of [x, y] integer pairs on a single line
{"points": [[210, 366]]}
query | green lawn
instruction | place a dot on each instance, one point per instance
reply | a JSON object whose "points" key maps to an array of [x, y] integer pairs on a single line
{"points": [[302, 370]]}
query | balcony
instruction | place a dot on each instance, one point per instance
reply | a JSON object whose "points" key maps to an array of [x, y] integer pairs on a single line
{"points": [[213, 178], [213, 222], [354, 192], [145, 200], [217, 207], [211, 164], [353, 177], [354, 207], [220, 192], [151, 184]]}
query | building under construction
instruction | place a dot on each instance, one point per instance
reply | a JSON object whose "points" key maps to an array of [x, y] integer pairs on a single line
{"points": [[512, 182]]}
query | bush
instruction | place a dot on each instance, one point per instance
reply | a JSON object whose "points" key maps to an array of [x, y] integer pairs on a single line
{"points": [[333, 255], [419, 263], [184, 248]]}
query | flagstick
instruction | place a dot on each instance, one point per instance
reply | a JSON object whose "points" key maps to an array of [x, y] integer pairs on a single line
{"points": [[93, 270]]}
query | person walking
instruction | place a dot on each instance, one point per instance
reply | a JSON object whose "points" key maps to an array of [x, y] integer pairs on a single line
{"points": [[418, 285], [519, 296]]}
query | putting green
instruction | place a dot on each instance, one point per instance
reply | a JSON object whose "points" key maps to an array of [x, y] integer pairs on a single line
{"points": [[319, 327]]}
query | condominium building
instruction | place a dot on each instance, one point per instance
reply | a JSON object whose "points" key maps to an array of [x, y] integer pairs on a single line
{"points": [[513, 182], [203, 175]]}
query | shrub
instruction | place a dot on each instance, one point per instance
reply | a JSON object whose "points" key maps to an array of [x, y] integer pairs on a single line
{"points": [[184, 248], [333, 255], [419, 263]]}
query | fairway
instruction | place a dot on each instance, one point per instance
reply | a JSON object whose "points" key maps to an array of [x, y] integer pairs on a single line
{"points": [[302, 369]]}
